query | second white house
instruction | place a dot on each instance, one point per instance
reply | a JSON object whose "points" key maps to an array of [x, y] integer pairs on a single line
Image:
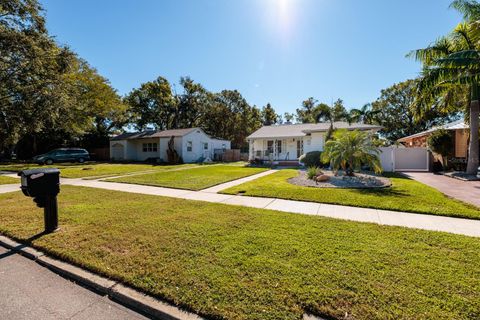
{"points": [[192, 144], [288, 142]]}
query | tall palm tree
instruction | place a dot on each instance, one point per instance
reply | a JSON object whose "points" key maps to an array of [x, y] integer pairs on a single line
{"points": [[324, 113], [453, 62]]}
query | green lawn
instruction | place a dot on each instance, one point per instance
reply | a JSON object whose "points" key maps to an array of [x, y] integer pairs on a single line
{"points": [[8, 180], [193, 179], [230, 262], [94, 169], [404, 195]]}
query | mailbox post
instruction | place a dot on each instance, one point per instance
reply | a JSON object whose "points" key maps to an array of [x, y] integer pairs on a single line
{"points": [[43, 185]]}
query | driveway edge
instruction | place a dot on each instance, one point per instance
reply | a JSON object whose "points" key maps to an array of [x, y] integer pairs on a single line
{"points": [[116, 291]]}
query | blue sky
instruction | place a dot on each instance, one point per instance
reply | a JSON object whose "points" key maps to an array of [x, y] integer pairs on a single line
{"points": [[277, 51]]}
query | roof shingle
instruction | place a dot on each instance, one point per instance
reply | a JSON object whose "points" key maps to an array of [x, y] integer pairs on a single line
{"points": [[301, 129], [154, 134]]}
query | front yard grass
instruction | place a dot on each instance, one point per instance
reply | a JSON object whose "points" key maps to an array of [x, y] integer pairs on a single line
{"points": [[404, 195], [192, 179], [94, 169], [230, 262], [8, 180]]}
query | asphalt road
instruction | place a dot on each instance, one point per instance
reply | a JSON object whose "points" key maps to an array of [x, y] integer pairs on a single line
{"points": [[30, 291]]}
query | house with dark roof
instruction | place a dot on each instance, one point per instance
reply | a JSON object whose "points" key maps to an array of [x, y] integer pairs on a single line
{"points": [[192, 144], [287, 142]]}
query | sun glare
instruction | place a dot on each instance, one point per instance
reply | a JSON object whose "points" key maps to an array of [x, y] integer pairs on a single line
{"points": [[281, 15]]}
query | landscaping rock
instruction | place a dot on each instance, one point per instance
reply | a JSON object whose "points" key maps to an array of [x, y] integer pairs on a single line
{"points": [[322, 178]]}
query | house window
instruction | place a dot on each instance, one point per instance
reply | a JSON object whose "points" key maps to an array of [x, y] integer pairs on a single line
{"points": [[205, 146], [279, 146], [150, 147], [224, 146], [189, 146], [269, 146]]}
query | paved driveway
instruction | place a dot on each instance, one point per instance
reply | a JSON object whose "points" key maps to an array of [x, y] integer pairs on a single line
{"points": [[467, 191]]}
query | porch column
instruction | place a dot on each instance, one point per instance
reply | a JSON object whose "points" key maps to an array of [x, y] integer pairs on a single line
{"points": [[274, 149]]}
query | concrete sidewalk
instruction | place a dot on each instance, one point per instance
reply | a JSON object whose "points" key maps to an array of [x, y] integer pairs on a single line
{"points": [[30, 291], [461, 226], [226, 185]]}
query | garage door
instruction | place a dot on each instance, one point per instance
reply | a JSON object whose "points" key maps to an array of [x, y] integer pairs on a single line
{"points": [[411, 159], [118, 151], [405, 159]]}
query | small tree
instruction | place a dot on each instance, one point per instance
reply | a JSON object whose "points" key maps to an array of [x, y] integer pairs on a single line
{"points": [[348, 150], [441, 142]]}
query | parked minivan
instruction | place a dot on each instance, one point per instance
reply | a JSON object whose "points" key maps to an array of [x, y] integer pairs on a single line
{"points": [[63, 155]]}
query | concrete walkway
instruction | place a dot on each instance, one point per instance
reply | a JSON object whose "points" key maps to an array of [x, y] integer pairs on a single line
{"points": [[226, 185], [467, 227], [467, 191], [30, 291]]}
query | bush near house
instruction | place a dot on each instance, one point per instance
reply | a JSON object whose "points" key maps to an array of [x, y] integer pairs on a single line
{"points": [[311, 159]]}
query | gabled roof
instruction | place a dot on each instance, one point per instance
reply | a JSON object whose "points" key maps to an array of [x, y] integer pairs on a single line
{"points": [[455, 125], [301, 129], [154, 134]]}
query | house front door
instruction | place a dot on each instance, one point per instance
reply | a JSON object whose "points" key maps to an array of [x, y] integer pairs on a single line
{"points": [[299, 148]]}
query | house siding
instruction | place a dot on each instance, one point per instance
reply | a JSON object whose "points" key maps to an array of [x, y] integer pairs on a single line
{"points": [[316, 144], [133, 149]]}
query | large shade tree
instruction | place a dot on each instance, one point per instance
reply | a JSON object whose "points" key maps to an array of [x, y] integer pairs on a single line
{"points": [[452, 66], [48, 95], [269, 116], [396, 111]]}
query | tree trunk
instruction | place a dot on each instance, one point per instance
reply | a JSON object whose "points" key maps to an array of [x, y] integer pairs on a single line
{"points": [[473, 152]]}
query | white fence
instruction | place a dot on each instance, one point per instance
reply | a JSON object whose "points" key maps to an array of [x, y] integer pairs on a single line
{"points": [[405, 159]]}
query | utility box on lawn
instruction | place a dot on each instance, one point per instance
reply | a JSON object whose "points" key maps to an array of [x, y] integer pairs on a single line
{"points": [[43, 185]]}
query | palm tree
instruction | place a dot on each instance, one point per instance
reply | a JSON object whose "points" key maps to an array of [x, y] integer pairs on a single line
{"points": [[349, 150], [363, 115], [324, 113], [451, 64]]}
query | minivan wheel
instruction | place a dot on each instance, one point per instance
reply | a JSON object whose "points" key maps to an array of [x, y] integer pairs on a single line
{"points": [[81, 160], [49, 161]]}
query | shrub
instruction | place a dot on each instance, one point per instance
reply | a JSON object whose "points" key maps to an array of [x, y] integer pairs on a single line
{"points": [[311, 159], [312, 172], [441, 142]]}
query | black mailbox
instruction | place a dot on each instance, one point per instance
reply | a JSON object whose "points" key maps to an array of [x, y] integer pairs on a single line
{"points": [[43, 185]]}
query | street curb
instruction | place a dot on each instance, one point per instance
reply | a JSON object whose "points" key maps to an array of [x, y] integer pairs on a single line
{"points": [[150, 305], [116, 291], [77, 274]]}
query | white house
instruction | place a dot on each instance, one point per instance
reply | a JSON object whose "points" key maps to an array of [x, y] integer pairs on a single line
{"points": [[191, 144], [287, 142]]}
